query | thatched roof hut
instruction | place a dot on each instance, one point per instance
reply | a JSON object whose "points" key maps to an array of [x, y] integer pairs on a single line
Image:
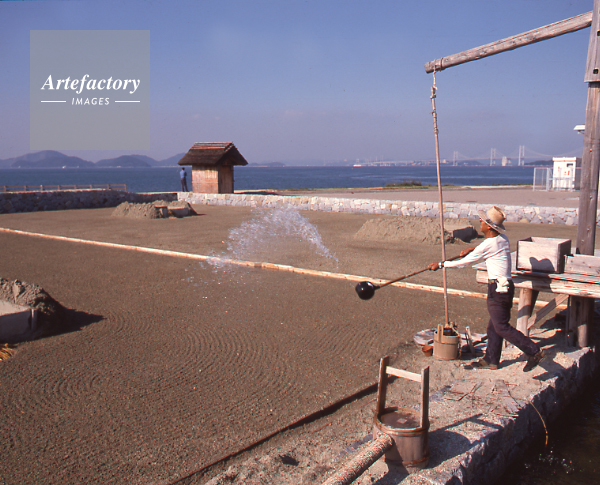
{"points": [[212, 166]]}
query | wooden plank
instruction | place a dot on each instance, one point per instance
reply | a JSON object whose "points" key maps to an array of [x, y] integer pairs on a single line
{"points": [[403, 373], [554, 286], [552, 305], [425, 397], [586, 286], [556, 29], [583, 264]]}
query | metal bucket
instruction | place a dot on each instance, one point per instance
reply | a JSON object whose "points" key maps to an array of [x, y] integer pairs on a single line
{"points": [[446, 342], [411, 441]]}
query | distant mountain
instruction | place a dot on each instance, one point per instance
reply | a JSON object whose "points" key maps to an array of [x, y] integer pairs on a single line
{"points": [[149, 160], [54, 159], [125, 161], [46, 159], [171, 161]]}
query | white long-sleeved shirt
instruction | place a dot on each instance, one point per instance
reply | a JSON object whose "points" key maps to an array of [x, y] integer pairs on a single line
{"points": [[496, 253]]}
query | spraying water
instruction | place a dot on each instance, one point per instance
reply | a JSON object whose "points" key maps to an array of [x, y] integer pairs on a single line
{"points": [[277, 236]]}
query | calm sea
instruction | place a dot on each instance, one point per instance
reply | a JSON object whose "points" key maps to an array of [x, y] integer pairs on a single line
{"points": [[257, 178]]}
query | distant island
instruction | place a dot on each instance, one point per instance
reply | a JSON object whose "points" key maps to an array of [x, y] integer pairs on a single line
{"points": [[53, 159], [50, 159]]}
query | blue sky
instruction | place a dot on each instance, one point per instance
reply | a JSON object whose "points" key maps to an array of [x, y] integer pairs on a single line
{"points": [[323, 80]]}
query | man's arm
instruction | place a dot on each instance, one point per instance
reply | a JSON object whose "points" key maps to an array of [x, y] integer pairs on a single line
{"points": [[463, 253]]}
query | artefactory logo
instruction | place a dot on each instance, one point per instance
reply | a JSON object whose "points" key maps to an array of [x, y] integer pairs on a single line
{"points": [[90, 90], [78, 85]]}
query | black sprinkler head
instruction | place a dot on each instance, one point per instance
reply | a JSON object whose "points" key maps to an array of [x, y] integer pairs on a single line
{"points": [[365, 290]]}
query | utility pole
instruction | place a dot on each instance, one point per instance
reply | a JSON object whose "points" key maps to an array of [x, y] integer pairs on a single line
{"points": [[582, 309]]}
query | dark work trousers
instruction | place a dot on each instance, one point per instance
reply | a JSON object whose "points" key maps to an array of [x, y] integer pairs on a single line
{"points": [[184, 184], [499, 328]]}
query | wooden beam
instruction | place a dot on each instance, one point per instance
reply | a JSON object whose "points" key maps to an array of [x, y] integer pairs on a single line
{"points": [[556, 29], [404, 374], [550, 306]]}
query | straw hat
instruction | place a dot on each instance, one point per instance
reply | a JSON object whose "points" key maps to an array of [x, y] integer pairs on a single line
{"points": [[494, 218]]}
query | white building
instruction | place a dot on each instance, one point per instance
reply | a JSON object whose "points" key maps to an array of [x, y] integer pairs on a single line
{"points": [[566, 173]]}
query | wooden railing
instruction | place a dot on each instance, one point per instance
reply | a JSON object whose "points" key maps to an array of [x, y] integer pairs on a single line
{"points": [[45, 188]]}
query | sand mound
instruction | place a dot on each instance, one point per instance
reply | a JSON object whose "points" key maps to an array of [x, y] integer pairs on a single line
{"points": [[419, 229], [137, 211], [51, 314], [159, 209]]}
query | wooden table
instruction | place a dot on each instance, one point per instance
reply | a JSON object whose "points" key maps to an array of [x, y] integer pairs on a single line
{"points": [[530, 284]]}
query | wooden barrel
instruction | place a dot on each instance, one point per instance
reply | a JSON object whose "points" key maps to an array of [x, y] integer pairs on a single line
{"points": [[411, 440]]}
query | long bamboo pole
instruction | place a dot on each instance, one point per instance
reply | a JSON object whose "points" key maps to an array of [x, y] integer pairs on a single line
{"points": [[556, 29], [441, 200]]}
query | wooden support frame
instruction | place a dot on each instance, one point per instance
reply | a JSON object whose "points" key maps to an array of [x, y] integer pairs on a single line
{"points": [[577, 287], [423, 378], [590, 167]]}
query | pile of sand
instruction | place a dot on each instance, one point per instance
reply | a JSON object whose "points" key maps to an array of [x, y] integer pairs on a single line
{"points": [[419, 229], [51, 314], [154, 210]]}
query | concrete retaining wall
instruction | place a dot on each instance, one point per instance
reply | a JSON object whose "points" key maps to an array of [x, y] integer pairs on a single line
{"points": [[495, 451], [93, 198], [73, 199], [553, 215]]}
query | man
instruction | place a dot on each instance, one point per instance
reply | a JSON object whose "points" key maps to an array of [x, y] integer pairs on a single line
{"points": [[495, 250], [183, 177]]}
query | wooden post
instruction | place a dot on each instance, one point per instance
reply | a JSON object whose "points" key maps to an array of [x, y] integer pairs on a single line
{"points": [[382, 386], [527, 299], [425, 397], [590, 170], [579, 311]]}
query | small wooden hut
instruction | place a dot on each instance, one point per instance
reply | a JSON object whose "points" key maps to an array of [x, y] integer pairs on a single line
{"points": [[212, 166]]}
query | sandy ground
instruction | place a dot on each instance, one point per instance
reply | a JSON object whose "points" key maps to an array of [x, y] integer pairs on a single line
{"points": [[176, 363]]}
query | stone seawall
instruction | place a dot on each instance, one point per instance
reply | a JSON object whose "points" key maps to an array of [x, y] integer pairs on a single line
{"points": [[73, 199], [93, 198], [549, 215]]}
